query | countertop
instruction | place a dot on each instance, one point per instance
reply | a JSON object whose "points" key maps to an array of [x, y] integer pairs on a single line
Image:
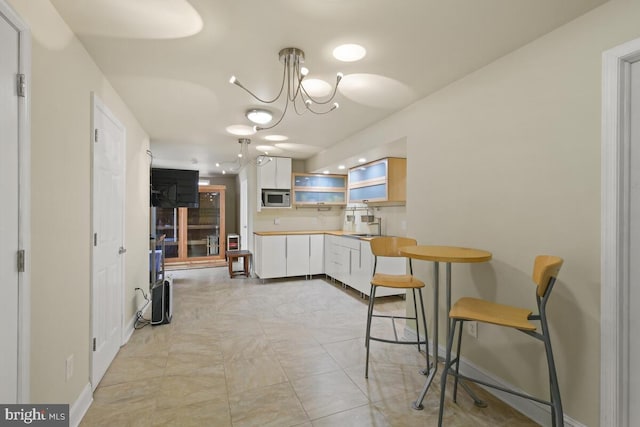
{"points": [[299, 232]]}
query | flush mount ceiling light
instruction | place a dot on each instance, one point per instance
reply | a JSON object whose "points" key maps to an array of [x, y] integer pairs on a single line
{"points": [[259, 116], [293, 74]]}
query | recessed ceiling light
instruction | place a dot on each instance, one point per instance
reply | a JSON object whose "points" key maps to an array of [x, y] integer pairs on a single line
{"points": [[325, 172], [362, 160], [259, 116], [349, 52], [341, 167], [276, 138], [240, 130]]}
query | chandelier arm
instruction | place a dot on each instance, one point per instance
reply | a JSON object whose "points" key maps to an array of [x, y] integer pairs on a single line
{"points": [[295, 81], [237, 83], [320, 113], [286, 105], [295, 106], [315, 101]]}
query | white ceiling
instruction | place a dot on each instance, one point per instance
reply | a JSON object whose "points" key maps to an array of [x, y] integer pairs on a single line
{"points": [[170, 60]]}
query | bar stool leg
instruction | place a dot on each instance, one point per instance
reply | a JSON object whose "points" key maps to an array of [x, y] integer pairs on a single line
{"points": [[372, 298]]}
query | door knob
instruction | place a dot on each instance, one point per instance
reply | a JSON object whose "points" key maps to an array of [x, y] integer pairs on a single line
{"points": [[121, 250]]}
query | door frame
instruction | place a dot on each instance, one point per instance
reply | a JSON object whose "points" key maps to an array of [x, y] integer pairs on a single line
{"points": [[615, 225], [24, 204]]}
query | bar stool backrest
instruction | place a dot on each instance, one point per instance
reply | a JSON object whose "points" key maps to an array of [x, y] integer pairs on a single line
{"points": [[545, 268], [389, 246]]}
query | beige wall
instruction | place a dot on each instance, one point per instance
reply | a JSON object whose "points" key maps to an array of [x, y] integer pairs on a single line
{"points": [[508, 159], [63, 77]]}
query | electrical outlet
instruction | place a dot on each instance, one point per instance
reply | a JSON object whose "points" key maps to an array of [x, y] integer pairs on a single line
{"points": [[276, 221], [472, 329], [68, 368]]}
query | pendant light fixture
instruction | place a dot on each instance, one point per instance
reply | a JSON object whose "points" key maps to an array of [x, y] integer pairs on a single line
{"points": [[293, 74]]}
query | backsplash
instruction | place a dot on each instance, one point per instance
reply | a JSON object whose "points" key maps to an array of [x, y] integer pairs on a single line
{"points": [[357, 217]]}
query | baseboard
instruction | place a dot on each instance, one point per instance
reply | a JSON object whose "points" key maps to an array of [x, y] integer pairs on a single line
{"points": [[80, 406], [537, 412]]}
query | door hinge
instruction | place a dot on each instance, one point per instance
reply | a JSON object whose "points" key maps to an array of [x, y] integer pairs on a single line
{"points": [[22, 86], [94, 344], [21, 261], [95, 239], [95, 135]]}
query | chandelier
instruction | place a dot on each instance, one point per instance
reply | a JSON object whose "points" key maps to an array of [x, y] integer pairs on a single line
{"points": [[293, 75], [243, 158]]}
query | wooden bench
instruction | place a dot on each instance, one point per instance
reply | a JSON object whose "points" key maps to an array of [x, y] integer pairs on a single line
{"points": [[234, 255]]}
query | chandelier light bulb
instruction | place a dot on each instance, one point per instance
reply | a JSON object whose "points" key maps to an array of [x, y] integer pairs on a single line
{"points": [[217, 165], [308, 102], [336, 105], [232, 80], [304, 71], [340, 76], [224, 172]]}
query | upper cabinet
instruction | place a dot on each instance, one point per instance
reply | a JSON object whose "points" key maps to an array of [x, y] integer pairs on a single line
{"points": [[382, 181], [275, 174], [319, 189]]}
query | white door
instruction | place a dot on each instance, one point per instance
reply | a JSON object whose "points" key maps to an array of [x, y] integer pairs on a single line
{"points": [[108, 238], [9, 47], [634, 247]]}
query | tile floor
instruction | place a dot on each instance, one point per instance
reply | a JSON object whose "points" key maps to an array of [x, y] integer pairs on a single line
{"points": [[240, 352]]}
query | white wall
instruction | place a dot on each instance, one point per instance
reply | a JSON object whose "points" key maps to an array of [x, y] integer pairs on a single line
{"points": [[63, 77], [508, 159]]}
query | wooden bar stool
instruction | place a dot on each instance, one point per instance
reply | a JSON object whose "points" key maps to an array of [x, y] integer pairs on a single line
{"points": [[389, 247], [545, 271]]}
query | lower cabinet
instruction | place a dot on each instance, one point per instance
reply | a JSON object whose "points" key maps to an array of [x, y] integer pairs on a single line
{"points": [[289, 256], [351, 262], [346, 259]]}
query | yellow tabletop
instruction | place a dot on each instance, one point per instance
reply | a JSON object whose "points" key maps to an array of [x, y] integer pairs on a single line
{"points": [[445, 253]]}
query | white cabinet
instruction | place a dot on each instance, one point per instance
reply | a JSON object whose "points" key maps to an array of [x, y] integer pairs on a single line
{"points": [[289, 256], [350, 261], [297, 255], [275, 174], [316, 254], [270, 256]]}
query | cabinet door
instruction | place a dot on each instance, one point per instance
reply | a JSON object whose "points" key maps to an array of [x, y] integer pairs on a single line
{"points": [[316, 254], [366, 268], [267, 174], [297, 255], [271, 256], [283, 173], [330, 256]]}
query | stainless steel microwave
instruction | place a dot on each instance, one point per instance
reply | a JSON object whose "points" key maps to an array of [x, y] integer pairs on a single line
{"points": [[276, 198]]}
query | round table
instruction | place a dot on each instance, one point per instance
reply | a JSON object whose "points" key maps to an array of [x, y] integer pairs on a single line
{"points": [[448, 255]]}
